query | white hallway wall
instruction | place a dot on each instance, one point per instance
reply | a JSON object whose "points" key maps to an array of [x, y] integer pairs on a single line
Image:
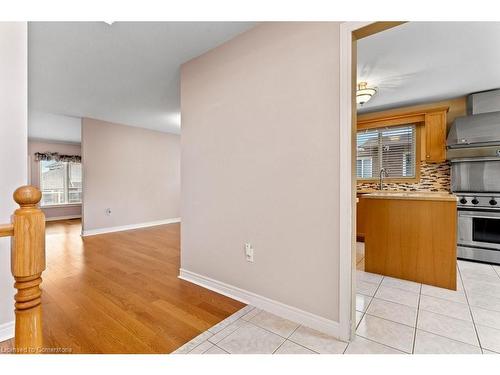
{"points": [[260, 164], [133, 171], [13, 149]]}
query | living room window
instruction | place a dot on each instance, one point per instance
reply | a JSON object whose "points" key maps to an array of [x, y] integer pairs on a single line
{"points": [[60, 182], [392, 148]]}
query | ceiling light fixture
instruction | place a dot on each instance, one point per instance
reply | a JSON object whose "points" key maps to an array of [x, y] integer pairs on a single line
{"points": [[364, 93]]}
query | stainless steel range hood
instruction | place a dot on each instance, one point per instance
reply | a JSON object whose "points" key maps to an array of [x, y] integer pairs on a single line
{"points": [[477, 135]]}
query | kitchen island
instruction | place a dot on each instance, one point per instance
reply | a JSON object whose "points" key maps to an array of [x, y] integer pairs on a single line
{"points": [[412, 236]]}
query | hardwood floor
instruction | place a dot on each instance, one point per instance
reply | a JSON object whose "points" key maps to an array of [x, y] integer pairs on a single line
{"points": [[119, 292]]}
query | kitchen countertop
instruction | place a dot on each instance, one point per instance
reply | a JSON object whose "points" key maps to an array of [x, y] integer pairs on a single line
{"points": [[365, 191], [410, 195]]}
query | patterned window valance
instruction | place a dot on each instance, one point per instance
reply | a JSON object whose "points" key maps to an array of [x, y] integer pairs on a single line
{"points": [[57, 157]]}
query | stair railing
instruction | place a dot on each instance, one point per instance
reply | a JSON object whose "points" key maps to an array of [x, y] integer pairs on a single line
{"points": [[27, 229]]}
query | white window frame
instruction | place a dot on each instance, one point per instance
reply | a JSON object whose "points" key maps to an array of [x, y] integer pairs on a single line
{"points": [[363, 159], [405, 165], [66, 190], [380, 155]]}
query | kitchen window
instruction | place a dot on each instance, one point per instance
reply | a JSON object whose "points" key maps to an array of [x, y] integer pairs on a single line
{"points": [[392, 148], [60, 183], [364, 166]]}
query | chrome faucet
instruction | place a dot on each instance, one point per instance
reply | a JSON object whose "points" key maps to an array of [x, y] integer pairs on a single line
{"points": [[383, 173]]}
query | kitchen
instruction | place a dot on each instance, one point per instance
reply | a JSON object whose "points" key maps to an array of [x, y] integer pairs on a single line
{"points": [[428, 189]]}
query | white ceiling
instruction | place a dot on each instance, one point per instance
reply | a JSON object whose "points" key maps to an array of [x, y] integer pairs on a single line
{"points": [[420, 62], [127, 72]]}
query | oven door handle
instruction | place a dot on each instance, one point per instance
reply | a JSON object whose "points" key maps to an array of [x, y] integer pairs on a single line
{"points": [[479, 216]]}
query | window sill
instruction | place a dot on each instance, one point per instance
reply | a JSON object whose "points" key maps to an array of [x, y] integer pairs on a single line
{"points": [[61, 205]]}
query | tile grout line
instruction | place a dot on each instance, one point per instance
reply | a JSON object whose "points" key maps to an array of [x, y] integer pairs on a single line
{"points": [[377, 342], [208, 348], [444, 299], [291, 340], [386, 345], [255, 325], [269, 331], [399, 288], [433, 333], [470, 310], [366, 313], [204, 341], [449, 338], [448, 316], [305, 347], [286, 339], [376, 290], [239, 318], [436, 334], [397, 303], [416, 321], [225, 351], [279, 346], [229, 334], [390, 320], [497, 272], [363, 316], [480, 307], [464, 304], [384, 300]]}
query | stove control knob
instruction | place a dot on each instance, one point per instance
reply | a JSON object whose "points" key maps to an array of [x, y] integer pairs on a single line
{"points": [[475, 201], [493, 202], [463, 200]]}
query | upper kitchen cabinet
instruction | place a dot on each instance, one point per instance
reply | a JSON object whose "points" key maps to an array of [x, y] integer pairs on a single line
{"points": [[435, 136], [431, 121]]}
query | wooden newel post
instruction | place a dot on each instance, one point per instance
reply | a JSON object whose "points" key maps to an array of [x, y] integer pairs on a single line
{"points": [[28, 263]]}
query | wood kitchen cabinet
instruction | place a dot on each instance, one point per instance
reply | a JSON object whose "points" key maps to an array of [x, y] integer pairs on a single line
{"points": [[412, 236], [360, 215], [430, 120], [435, 137]]}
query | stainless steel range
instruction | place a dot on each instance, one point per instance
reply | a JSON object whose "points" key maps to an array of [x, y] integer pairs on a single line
{"points": [[473, 147]]}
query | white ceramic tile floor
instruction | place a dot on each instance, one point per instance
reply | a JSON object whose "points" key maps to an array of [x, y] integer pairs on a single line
{"points": [[289, 347], [362, 302], [392, 316], [250, 339], [274, 323], [393, 311]]}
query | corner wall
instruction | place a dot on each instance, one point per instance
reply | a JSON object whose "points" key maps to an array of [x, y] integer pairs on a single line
{"points": [[260, 164], [13, 149], [133, 171]]}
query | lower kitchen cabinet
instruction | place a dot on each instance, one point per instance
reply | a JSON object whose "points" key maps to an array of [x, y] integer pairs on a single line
{"points": [[411, 239], [360, 215]]}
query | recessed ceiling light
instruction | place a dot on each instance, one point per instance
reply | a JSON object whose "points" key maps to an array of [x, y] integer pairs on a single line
{"points": [[364, 93]]}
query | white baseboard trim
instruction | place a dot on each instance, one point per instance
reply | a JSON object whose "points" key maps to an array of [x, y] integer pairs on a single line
{"points": [[7, 331], [305, 318], [92, 232], [55, 218]]}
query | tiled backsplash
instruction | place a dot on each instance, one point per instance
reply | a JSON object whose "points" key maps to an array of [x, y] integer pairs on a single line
{"points": [[433, 177]]}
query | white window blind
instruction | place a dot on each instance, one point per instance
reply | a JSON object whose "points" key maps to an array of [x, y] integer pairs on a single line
{"points": [[60, 182], [392, 148]]}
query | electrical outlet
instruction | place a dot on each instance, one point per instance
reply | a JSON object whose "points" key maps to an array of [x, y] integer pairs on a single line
{"points": [[108, 211], [249, 252]]}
